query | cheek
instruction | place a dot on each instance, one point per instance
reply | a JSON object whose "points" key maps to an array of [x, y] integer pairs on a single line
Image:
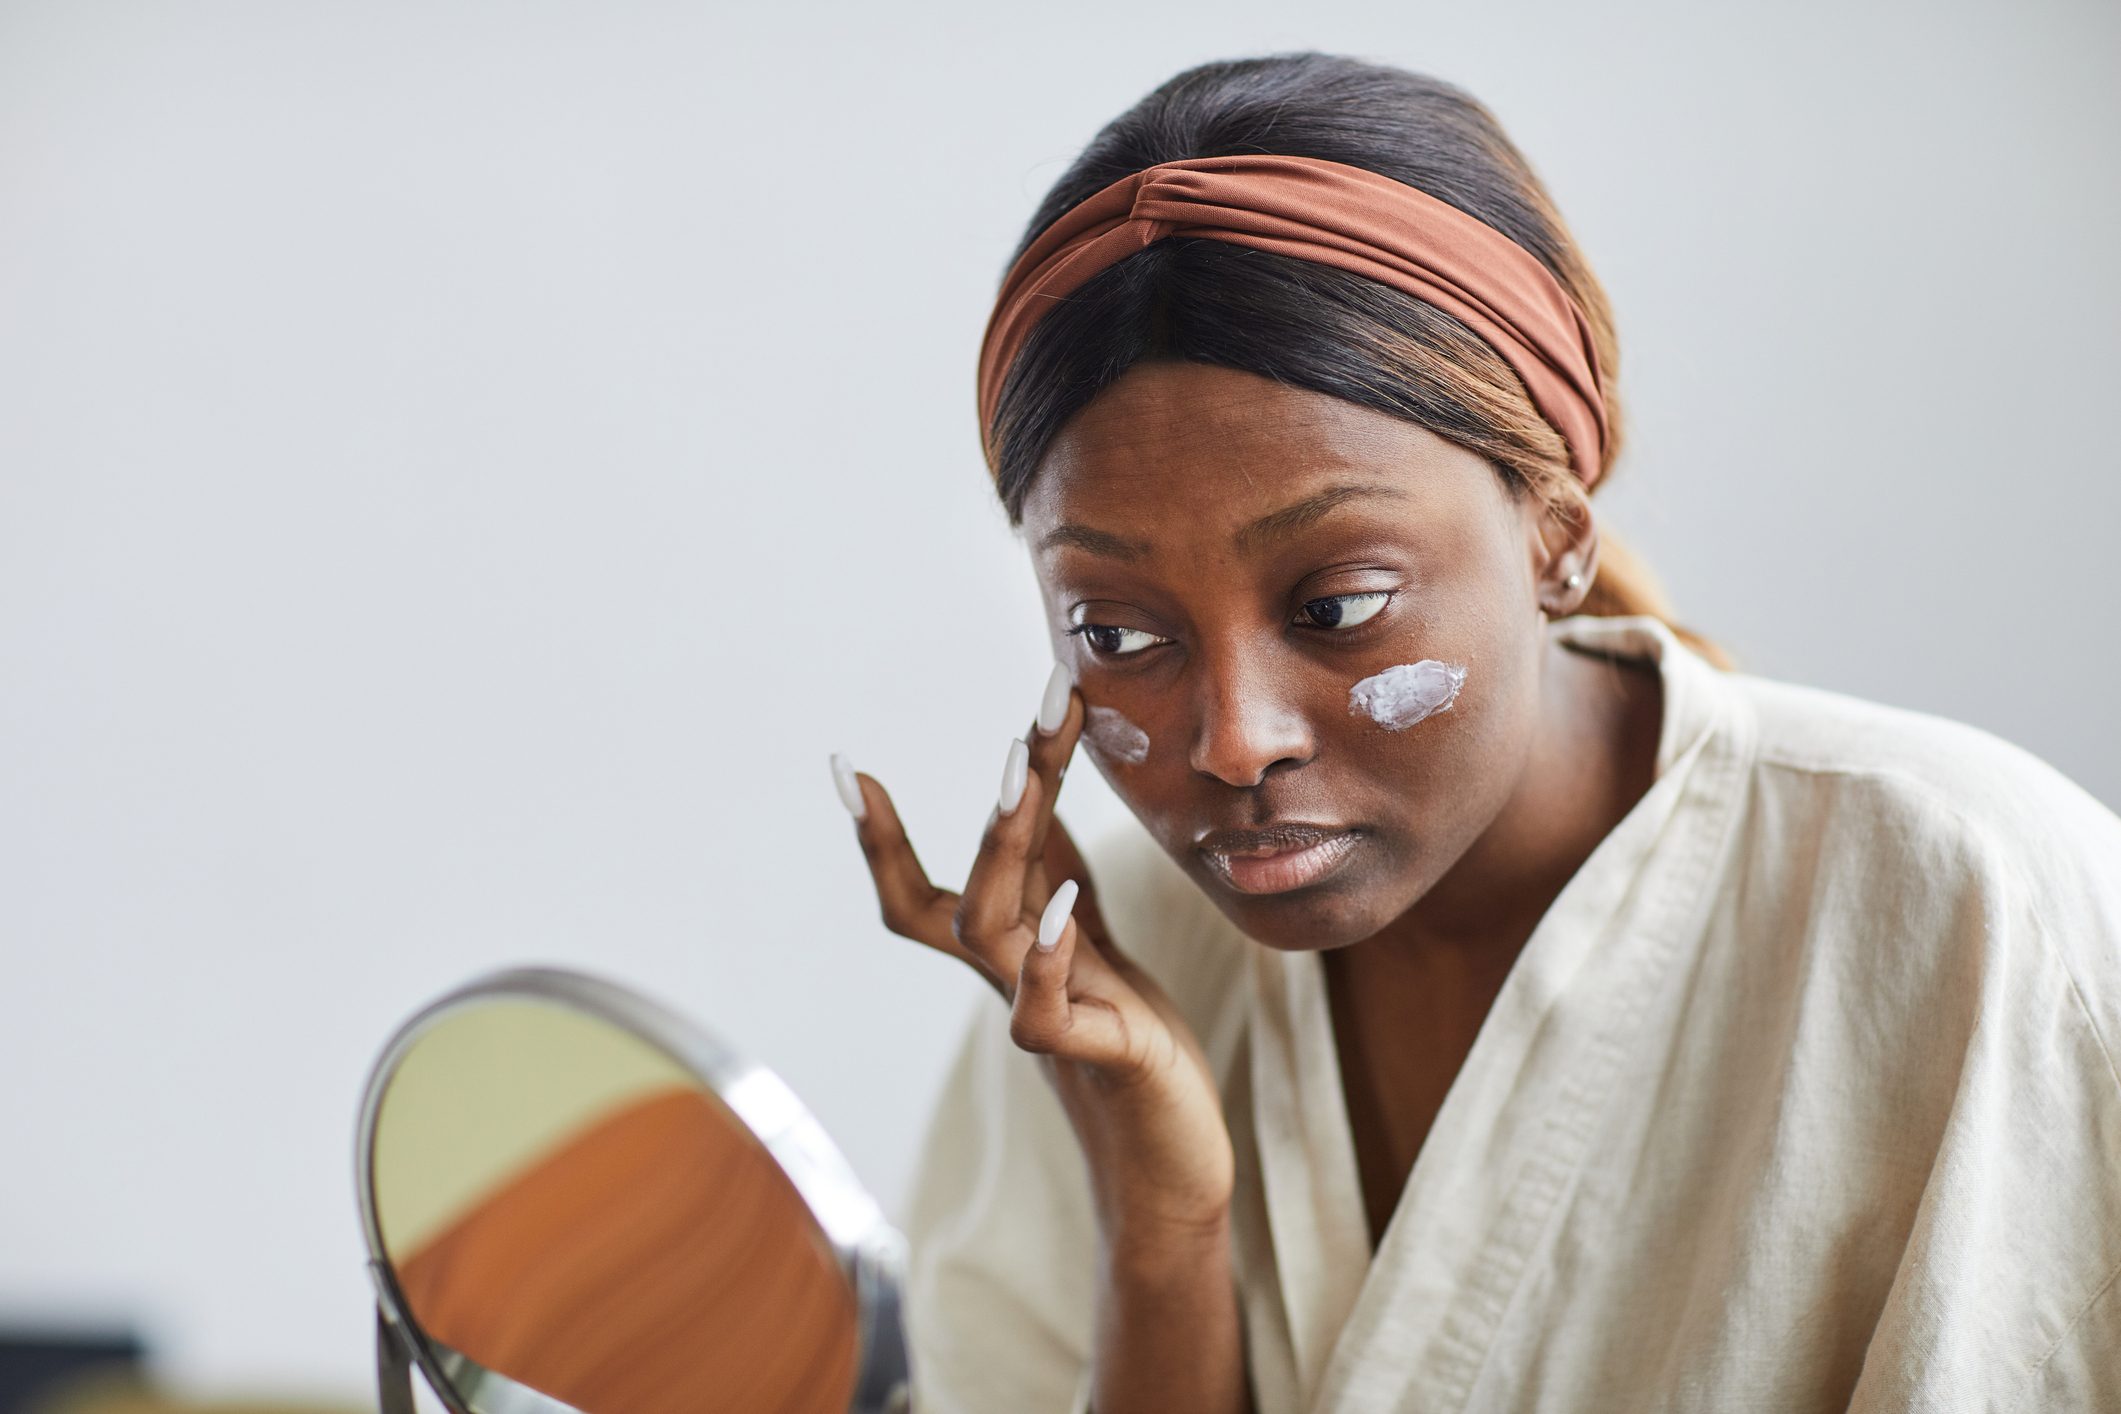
{"points": [[1441, 737]]}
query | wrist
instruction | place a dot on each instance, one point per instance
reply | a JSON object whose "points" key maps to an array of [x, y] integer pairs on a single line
{"points": [[1148, 1248]]}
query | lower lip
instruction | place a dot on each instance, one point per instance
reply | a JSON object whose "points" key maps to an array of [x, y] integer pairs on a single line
{"points": [[1279, 873]]}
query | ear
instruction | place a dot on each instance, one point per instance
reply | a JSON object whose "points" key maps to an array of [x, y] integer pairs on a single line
{"points": [[1565, 536]]}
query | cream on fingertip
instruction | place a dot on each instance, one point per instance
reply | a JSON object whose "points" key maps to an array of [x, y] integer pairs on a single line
{"points": [[1055, 919]]}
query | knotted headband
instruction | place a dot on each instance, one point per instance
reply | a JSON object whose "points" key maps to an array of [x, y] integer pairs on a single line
{"points": [[1334, 214]]}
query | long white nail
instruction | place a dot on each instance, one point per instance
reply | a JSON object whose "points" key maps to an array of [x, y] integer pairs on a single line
{"points": [[1014, 773], [850, 788], [1053, 707], [1055, 918]]}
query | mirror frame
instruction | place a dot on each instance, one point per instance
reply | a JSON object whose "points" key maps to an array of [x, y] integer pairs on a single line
{"points": [[871, 1253]]}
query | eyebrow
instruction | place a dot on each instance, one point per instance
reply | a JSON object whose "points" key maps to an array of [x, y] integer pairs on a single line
{"points": [[1274, 525]]}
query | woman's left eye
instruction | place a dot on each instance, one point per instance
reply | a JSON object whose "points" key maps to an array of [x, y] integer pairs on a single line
{"points": [[1344, 610]]}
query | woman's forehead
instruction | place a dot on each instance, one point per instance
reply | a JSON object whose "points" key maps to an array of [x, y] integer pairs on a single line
{"points": [[1188, 446], [1172, 409]]}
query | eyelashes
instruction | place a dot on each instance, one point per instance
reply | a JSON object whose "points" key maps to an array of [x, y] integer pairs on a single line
{"points": [[1363, 613], [1089, 634], [1362, 607]]}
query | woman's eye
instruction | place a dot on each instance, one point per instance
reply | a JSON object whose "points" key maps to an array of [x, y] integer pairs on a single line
{"points": [[1344, 610], [1112, 641]]}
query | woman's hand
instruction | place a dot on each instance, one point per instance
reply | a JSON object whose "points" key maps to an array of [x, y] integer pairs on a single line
{"points": [[1129, 1072]]}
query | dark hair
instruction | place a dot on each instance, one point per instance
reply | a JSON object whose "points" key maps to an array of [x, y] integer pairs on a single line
{"points": [[1310, 325]]}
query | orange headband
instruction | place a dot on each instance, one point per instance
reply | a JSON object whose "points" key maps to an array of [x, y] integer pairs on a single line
{"points": [[1333, 214]]}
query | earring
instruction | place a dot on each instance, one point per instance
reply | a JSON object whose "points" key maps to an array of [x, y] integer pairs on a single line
{"points": [[1574, 580]]}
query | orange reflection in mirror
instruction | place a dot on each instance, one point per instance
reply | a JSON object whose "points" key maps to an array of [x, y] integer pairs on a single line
{"points": [[657, 1262]]}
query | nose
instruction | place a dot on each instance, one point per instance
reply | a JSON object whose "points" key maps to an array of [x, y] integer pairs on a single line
{"points": [[1248, 722]]}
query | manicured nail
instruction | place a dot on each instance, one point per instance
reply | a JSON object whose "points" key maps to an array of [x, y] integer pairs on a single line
{"points": [[850, 788], [1053, 707], [1014, 773], [1055, 918]]}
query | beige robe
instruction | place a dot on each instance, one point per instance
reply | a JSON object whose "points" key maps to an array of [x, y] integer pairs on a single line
{"points": [[1801, 1096]]}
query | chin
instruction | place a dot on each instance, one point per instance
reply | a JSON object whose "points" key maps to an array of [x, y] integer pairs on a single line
{"points": [[1332, 913]]}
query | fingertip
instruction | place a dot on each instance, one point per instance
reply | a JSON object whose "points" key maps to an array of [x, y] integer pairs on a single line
{"points": [[1043, 975], [1073, 713]]}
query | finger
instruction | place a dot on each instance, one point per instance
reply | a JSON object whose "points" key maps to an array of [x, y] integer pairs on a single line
{"points": [[989, 920], [1062, 860], [1050, 755], [1042, 1017], [911, 905], [1060, 747]]}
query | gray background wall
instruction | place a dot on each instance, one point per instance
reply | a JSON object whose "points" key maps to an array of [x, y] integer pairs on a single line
{"points": [[462, 467]]}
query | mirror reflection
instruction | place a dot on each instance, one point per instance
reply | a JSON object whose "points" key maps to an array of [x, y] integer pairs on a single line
{"points": [[565, 1206]]}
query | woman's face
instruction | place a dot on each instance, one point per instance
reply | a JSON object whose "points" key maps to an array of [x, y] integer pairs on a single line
{"points": [[1243, 577]]}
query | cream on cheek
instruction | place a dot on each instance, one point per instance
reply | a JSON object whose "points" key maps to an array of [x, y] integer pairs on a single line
{"points": [[1404, 694], [1114, 736]]}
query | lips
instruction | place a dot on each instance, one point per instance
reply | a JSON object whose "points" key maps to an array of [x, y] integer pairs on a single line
{"points": [[1277, 858]]}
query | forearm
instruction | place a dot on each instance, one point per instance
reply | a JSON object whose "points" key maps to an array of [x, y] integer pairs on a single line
{"points": [[1169, 1334]]}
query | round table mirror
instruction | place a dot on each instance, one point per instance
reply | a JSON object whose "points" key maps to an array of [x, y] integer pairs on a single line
{"points": [[576, 1200]]}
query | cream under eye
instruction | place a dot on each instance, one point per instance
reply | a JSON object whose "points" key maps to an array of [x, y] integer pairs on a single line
{"points": [[1360, 609]]}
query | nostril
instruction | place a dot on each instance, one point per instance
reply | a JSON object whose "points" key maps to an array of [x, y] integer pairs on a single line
{"points": [[1242, 755], [1249, 717]]}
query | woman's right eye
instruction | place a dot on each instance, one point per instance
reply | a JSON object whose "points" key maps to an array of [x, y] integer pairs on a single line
{"points": [[1112, 641]]}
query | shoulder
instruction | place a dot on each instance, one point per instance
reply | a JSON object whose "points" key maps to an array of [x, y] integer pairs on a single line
{"points": [[1944, 909], [1982, 860], [1929, 779]]}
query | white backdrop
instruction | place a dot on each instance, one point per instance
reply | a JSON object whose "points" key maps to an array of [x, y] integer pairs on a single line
{"points": [[463, 467]]}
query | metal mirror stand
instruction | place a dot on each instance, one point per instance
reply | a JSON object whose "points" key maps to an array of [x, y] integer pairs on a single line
{"points": [[871, 1251]]}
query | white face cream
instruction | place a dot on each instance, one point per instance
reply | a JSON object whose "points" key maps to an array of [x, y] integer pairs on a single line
{"points": [[1403, 694], [1115, 736]]}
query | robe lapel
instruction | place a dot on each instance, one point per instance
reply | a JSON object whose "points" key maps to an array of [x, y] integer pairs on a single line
{"points": [[1306, 1154]]}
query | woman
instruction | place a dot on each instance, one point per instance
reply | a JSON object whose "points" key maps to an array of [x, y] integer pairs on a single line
{"points": [[1512, 1006]]}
